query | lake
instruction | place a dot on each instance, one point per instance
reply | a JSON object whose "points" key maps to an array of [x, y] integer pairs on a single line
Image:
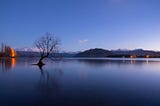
{"points": [[80, 82]]}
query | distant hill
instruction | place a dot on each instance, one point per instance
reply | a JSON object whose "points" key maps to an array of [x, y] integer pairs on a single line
{"points": [[98, 52], [118, 53], [37, 54], [137, 53], [94, 53], [27, 54]]}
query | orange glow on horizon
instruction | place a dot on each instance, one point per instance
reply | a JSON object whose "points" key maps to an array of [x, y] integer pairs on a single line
{"points": [[13, 53], [147, 56], [133, 56]]}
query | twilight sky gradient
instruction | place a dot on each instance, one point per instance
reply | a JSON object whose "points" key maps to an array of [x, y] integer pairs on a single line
{"points": [[82, 24]]}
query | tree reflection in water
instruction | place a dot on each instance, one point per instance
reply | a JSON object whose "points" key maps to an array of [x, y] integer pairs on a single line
{"points": [[7, 64], [49, 82]]}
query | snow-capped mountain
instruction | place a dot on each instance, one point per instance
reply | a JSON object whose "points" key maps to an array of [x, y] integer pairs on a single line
{"points": [[27, 49]]}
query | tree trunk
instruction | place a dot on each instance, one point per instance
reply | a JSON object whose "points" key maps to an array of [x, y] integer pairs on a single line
{"points": [[40, 63]]}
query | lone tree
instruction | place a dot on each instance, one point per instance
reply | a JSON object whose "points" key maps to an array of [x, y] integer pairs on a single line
{"points": [[47, 45]]}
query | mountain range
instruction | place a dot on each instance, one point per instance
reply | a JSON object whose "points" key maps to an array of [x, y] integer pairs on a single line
{"points": [[98, 52]]}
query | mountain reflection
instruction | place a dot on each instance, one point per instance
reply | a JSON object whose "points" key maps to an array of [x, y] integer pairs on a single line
{"points": [[7, 64], [102, 62], [49, 82]]}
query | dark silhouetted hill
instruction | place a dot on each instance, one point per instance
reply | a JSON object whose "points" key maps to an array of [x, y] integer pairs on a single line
{"points": [[118, 53], [94, 53], [137, 52]]}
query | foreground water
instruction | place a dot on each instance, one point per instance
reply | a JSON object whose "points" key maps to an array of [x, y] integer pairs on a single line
{"points": [[80, 82]]}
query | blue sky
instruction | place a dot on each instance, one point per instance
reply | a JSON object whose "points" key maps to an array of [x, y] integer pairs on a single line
{"points": [[82, 24]]}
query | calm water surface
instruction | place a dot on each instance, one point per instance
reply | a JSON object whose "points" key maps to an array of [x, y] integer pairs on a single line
{"points": [[79, 82]]}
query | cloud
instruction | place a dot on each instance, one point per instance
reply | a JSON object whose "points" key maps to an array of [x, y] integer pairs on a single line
{"points": [[84, 41]]}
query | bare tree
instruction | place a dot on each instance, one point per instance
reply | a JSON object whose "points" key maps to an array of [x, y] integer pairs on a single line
{"points": [[47, 45]]}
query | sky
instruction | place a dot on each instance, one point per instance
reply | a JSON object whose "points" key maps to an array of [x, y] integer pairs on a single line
{"points": [[82, 24]]}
